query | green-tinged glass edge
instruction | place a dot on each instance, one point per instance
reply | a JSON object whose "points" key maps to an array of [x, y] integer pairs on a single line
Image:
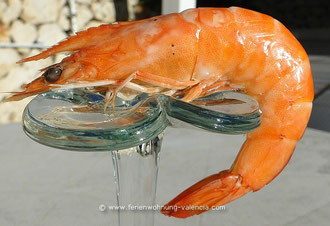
{"points": [[163, 108], [95, 140]]}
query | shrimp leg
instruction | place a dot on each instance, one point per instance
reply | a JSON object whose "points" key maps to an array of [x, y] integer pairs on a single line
{"points": [[150, 79], [204, 86]]}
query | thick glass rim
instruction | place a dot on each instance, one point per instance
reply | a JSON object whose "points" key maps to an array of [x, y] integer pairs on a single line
{"points": [[82, 125]]}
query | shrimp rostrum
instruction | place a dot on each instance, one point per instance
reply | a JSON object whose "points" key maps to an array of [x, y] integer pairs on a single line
{"points": [[195, 53]]}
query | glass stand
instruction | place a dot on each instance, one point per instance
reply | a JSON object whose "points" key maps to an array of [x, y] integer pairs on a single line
{"points": [[132, 131], [137, 168]]}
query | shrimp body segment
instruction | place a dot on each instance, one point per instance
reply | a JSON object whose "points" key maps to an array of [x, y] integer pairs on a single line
{"points": [[195, 53]]}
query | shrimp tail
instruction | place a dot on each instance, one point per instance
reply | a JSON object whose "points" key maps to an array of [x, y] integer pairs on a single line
{"points": [[212, 191], [79, 41]]}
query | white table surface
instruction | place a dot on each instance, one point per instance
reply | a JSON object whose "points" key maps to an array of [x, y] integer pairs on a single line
{"points": [[44, 186]]}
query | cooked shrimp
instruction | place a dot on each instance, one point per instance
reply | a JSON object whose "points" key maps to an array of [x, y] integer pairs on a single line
{"points": [[195, 53]]}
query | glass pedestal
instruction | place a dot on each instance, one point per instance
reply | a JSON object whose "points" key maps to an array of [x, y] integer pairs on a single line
{"points": [[132, 132]]}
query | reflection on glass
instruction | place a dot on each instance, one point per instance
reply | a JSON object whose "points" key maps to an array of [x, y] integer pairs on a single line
{"points": [[132, 131]]}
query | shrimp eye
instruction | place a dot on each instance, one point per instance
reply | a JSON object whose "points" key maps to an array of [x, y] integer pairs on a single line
{"points": [[53, 74]]}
